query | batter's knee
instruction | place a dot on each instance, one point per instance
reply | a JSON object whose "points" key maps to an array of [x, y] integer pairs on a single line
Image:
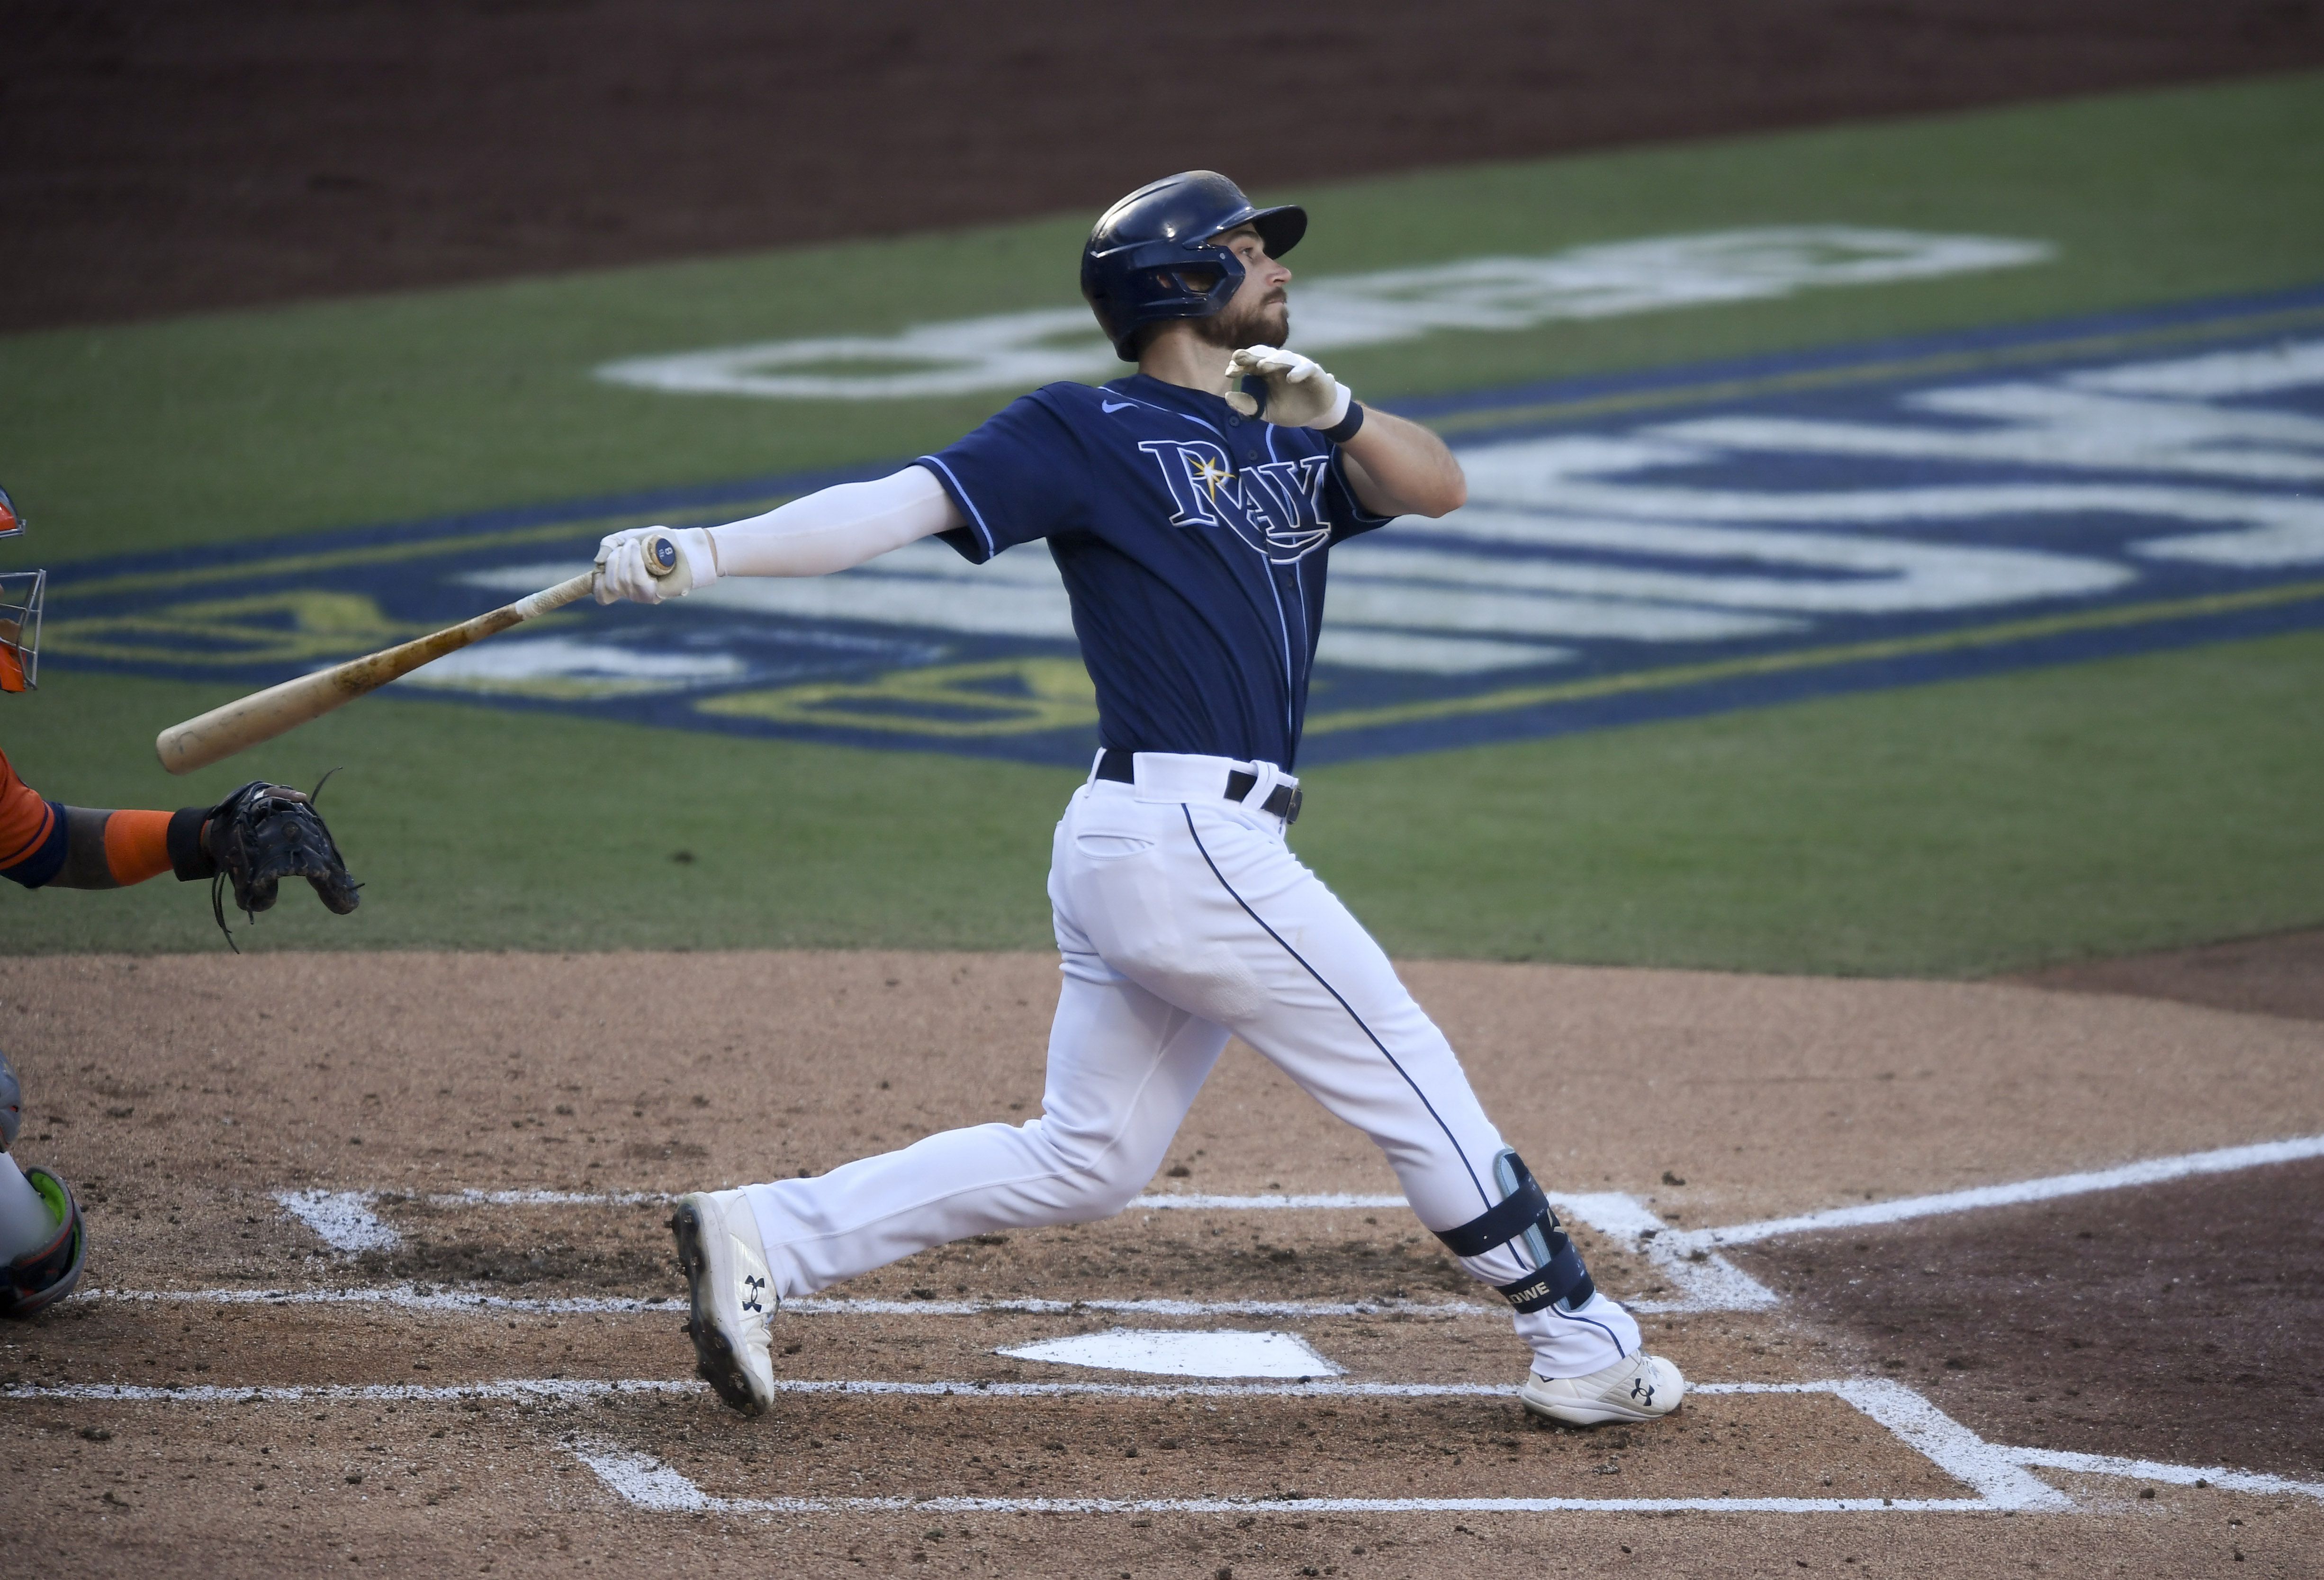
{"points": [[1095, 1178], [1099, 1192]]}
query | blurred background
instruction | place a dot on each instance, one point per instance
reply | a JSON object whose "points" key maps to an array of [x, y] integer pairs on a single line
{"points": [[323, 326], [165, 157]]}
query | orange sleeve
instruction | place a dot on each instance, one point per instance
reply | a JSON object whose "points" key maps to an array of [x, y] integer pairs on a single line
{"points": [[24, 817], [137, 846]]}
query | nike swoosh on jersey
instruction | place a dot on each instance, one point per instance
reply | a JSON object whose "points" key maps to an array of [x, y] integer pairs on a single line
{"points": [[1115, 405]]}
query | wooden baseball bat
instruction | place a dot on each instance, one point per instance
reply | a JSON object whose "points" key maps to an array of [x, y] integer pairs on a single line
{"points": [[262, 715]]}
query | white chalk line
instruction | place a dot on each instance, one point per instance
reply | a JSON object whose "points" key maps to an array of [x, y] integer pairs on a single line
{"points": [[1996, 1474], [1161, 1200], [1167, 1201], [408, 1297], [2184, 1475], [1689, 1259], [2150, 1171], [512, 1388], [531, 1197], [1707, 1282], [341, 1219], [404, 1296], [588, 1388], [346, 1221]]}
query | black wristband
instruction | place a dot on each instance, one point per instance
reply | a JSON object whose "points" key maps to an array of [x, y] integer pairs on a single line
{"points": [[1349, 425], [188, 860]]}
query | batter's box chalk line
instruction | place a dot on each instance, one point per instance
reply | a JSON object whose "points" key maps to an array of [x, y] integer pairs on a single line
{"points": [[1689, 1260], [1996, 1475], [413, 1297], [1999, 1476], [344, 1220]]}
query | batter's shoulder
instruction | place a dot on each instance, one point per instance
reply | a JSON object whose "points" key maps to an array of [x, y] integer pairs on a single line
{"points": [[1067, 397], [1041, 417], [1064, 409]]}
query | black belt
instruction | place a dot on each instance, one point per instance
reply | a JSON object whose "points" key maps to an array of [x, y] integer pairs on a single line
{"points": [[1284, 803]]}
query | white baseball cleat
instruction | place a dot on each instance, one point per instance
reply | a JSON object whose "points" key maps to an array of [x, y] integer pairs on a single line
{"points": [[733, 1296], [1636, 1388]]}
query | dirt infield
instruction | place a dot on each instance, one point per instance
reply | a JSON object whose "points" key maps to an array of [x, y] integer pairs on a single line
{"points": [[2282, 973], [316, 1335], [159, 160], [2184, 1321]]}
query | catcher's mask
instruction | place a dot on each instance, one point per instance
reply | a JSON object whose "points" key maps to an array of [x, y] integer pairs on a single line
{"points": [[20, 612]]}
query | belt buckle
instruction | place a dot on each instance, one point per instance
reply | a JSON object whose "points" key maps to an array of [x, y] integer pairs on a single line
{"points": [[1291, 813]]}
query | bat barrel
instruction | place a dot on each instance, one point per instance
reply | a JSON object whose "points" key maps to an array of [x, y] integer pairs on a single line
{"points": [[244, 722], [224, 730]]}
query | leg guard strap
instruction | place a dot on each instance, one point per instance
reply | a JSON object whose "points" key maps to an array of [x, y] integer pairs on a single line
{"points": [[46, 1273], [1522, 1208], [1563, 1283], [1524, 1215]]}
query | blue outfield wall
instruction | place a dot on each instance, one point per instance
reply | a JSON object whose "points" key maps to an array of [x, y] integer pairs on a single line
{"points": [[1644, 545]]}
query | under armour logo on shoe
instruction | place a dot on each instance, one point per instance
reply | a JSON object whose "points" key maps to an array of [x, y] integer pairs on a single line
{"points": [[752, 1286], [1643, 1391]]}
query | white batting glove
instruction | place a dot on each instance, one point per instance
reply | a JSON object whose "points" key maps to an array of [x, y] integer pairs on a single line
{"points": [[1299, 393], [622, 571]]}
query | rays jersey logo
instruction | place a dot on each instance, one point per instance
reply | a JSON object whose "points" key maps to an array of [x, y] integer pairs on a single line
{"points": [[1276, 508]]}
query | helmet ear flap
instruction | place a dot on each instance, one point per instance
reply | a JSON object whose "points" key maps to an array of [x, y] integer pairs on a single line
{"points": [[1194, 280], [1167, 282], [1207, 281]]}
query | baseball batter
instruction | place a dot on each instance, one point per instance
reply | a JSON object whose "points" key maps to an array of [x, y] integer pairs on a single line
{"points": [[1190, 508], [254, 839]]}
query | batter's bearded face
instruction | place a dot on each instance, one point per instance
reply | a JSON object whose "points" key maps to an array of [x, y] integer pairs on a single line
{"points": [[1260, 313]]}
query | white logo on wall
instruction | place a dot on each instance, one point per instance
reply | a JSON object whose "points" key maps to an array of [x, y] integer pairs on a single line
{"points": [[1023, 350], [1642, 536]]}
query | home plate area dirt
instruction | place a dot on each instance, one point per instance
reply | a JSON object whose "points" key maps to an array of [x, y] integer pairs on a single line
{"points": [[1968, 1278]]}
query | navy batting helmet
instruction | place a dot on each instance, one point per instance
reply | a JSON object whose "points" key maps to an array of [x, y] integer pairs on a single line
{"points": [[1155, 255]]}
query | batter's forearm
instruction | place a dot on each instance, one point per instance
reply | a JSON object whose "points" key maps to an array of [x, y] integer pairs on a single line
{"points": [[835, 527], [825, 531], [1398, 468]]}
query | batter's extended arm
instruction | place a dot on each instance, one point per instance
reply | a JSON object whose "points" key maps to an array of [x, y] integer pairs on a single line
{"points": [[812, 535]]}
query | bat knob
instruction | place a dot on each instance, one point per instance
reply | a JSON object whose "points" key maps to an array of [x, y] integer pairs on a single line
{"points": [[661, 553]]}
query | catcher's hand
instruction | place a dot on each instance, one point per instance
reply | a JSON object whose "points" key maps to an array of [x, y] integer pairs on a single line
{"points": [[1299, 393], [264, 833]]}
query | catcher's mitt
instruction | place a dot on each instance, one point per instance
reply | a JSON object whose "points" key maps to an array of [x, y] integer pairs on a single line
{"points": [[264, 833]]}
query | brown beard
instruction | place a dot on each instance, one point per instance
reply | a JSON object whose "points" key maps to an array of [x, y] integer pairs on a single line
{"points": [[1238, 326]]}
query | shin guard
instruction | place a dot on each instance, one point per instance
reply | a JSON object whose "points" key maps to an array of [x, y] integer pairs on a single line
{"points": [[1524, 1217]]}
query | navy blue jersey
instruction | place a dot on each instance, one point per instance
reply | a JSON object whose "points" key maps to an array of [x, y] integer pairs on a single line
{"points": [[1192, 541]]}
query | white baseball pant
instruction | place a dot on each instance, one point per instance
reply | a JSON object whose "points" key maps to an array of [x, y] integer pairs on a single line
{"points": [[1184, 917]]}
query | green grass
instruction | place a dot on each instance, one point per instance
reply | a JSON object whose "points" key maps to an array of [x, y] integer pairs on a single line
{"points": [[1950, 829], [1954, 830], [244, 424], [1959, 829], [475, 828]]}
